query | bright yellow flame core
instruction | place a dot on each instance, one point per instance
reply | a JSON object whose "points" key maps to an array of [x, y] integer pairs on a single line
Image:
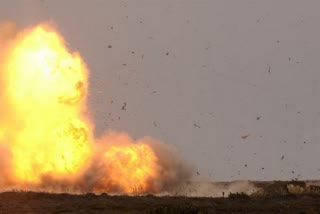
{"points": [[46, 88], [131, 166], [42, 121]]}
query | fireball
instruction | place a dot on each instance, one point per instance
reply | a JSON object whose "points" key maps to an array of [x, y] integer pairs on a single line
{"points": [[44, 126], [44, 88]]}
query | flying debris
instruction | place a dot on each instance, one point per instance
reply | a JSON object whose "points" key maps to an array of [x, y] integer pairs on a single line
{"points": [[196, 126], [124, 106], [245, 136]]}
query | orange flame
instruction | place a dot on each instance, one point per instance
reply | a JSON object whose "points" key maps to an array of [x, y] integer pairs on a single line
{"points": [[130, 166], [45, 131]]}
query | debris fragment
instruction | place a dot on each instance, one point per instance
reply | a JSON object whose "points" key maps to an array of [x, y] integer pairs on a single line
{"points": [[167, 53], [196, 125], [282, 157], [109, 46], [245, 136], [124, 106]]}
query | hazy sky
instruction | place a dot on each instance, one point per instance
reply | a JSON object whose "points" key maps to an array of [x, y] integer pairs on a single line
{"points": [[201, 75]]}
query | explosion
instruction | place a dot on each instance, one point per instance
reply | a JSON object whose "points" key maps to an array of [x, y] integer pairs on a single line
{"points": [[46, 135]]}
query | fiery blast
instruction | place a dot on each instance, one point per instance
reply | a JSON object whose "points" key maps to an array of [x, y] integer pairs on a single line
{"points": [[46, 137]]}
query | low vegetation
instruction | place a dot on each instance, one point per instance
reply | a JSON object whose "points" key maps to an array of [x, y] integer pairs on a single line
{"points": [[31, 202]]}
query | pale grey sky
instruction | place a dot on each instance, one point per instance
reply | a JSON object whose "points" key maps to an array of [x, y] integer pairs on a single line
{"points": [[201, 74]]}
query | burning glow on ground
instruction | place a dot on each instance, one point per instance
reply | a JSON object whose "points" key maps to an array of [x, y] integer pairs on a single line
{"points": [[45, 130]]}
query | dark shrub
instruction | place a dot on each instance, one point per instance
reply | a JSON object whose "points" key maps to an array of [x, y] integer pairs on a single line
{"points": [[238, 196]]}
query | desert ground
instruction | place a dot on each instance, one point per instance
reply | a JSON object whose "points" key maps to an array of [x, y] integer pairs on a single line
{"points": [[266, 197]]}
